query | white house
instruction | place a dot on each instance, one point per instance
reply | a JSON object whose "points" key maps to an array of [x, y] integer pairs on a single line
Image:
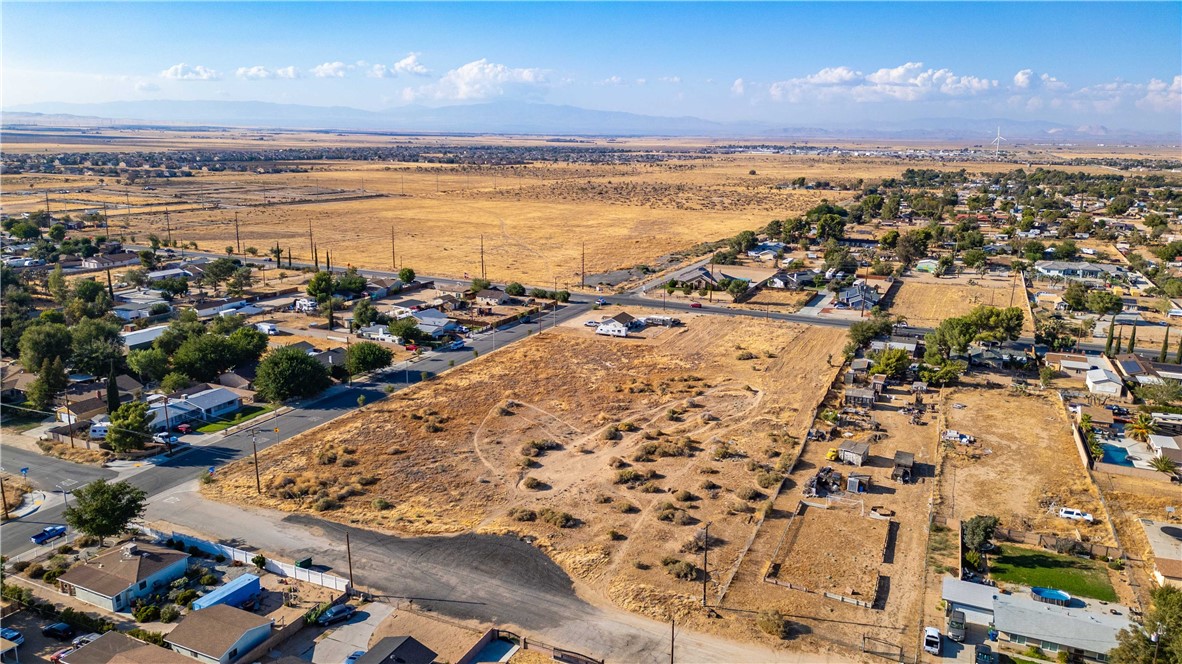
{"points": [[1104, 382], [434, 322], [170, 273], [220, 634], [103, 261], [113, 580], [1086, 633], [616, 326], [214, 403]]}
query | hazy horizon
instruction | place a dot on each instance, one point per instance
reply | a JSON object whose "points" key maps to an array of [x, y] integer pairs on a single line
{"points": [[825, 64]]}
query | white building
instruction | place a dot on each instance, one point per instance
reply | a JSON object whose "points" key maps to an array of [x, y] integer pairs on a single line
{"points": [[220, 634], [1104, 382], [616, 326]]}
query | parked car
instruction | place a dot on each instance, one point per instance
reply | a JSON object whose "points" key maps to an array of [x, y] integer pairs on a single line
{"points": [[600, 301], [48, 534], [591, 323], [1074, 514], [352, 659], [695, 305], [269, 329], [10, 634], [983, 654], [184, 428], [60, 631], [165, 438], [336, 614], [931, 640], [412, 347], [80, 641], [956, 626], [57, 656]]}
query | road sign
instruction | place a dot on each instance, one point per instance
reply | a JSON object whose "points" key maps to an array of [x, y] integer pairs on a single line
{"points": [[24, 472], [211, 470]]}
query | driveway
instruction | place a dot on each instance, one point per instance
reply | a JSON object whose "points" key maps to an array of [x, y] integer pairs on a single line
{"points": [[346, 638]]}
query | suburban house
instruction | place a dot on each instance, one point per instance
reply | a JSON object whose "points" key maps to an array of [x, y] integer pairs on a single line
{"points": [[333, 357], [132, 310], [81, 407], [168, 413], [616, 326], [1140, 370], [378, 288], [492, 297], [104, 261], [220, 634], [1086, 634], [457, 291], [1165, 539], [1167, 446], [1104, 383], [14, 386], [1074, 364], [908, 344], [1079, 270], [793, 280], [711, 276], [214, 403], [169, 273], [974, 599], [140, 339], [113, 580], [859, 296], [434, 322], [398, 650], [115, 647], [215, 307]]}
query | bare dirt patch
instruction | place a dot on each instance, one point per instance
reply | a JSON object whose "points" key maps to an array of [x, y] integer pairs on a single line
{"points": [[925, 301], [834, 550]]}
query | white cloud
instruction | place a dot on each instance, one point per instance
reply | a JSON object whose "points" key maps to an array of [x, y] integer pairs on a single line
{"points": [[411, 65], [612, 80], [381, 71], [738, 87], [183, 72], [1051, 83], [1162, 96], [254, 73], [287, 72], [146, 86], [672, 80], [642, 81], [329, 70], [907, 82], [1022, 78], [482, 79]]}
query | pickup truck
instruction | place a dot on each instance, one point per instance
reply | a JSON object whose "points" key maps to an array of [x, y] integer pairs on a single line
{"points": [[48, 534], [1074, 514], [455, 345]]}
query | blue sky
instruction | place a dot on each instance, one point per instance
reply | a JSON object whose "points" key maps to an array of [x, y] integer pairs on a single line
{"points": [[811, 63]]}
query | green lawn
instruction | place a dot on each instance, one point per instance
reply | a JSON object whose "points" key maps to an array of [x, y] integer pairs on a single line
{"points": [[247, 413], [1035, 567]]}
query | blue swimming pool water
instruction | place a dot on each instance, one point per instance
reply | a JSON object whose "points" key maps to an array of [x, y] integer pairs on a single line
{"points": [[1115, 454], [496, 651]]}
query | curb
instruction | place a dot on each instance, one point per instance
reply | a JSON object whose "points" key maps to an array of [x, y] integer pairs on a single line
{"points": [[38, 499]]}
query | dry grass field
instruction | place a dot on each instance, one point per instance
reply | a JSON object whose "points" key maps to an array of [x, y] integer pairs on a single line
{"points": [[632, 444], [925, 300], [1024, 461]]}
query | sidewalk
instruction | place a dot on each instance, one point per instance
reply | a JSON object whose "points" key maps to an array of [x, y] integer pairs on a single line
{"points": [[31, 502]]}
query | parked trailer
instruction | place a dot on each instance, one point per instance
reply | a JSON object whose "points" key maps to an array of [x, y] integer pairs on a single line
{"points": [[240, 591]]}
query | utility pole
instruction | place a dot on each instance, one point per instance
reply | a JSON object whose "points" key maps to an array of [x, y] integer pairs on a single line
{"points": [[349, 554], [46, 201], [237, 237], [168, 226], [4, 497], [126, 224], [311, 247], [258, 483], [393, 256], [482, 276], [705, 551], [672, 638], [583, 269]]}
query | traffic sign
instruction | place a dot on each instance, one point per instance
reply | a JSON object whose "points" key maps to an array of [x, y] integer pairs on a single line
{"points": [[24, 472]]}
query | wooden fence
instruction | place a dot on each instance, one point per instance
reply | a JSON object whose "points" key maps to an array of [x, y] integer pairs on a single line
{"points": [[1059, 544]]}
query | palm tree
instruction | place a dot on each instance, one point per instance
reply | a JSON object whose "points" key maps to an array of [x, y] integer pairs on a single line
{"points": [[1164, 464], [1140, 428]]}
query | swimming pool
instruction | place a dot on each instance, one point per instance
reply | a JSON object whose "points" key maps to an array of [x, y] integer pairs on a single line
{"points": [[1115, 454]]}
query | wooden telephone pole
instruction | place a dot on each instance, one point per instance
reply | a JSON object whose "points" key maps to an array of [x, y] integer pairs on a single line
{"points": [[393, 256], [583, 268], [482, 274], [168, 226], [237, 237]]}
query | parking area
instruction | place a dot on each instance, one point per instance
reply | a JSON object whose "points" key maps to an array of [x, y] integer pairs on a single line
{"points": [[336, 643], [951, 651], [36, 648]]}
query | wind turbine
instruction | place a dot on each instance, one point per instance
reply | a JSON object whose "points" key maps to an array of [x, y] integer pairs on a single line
{"points": [[997, 144]]}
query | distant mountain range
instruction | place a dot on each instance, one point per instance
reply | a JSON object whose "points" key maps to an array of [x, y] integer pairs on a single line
{"points": [[505, 117]]}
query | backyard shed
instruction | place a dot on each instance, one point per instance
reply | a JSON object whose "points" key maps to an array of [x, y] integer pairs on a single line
{"points": [[857, 483], [904, 465], [859, 397], [853, 453], [235, 593]]}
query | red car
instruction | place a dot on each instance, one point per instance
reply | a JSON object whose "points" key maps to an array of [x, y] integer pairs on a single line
{"points": [[412, 347], [695, 305], [184, 428], [57, 656]]}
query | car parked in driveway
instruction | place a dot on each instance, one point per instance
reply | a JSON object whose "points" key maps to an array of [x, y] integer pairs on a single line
{"points": [[60, 631], [931, 640], [983, 654], [336, 614], [80, 641], [49, 533], [12, 635], [57, 656]]}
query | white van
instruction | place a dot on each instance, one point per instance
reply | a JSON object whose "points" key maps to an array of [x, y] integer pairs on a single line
{"points": [[268, 329]]}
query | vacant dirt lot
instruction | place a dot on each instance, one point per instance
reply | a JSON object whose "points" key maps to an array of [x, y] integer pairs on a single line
{"points": [[925, 300], [1023, 463], [834, 550], [612, 453]]}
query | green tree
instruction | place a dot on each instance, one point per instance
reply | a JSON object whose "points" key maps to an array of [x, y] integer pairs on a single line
{"points": [[290, 372], [59, 290], [103, 509], [1163, 393], [57, 232], [240, 281], [95, 345], [351, 282], [979, 530], [175, 381], [976, 259], [912, 246], [943, 373], [320, 286], [1104, 302], [137, 277], [1160, 635], [562, 296], [364, 313], [128, 429], [1075, 295], [150, 364], [890, 209], [1141, 427], [204, 357], [248, 345], [515, 289], [1165, 347], [1163, 464], [218, 271], [889, 240], [1108, 343], [113, 400], [44, 341], [50, 382], [893, 362], [406, 275], [479, 284], [148, 259], [944, 264], [1132, 340], [366, 356]]}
